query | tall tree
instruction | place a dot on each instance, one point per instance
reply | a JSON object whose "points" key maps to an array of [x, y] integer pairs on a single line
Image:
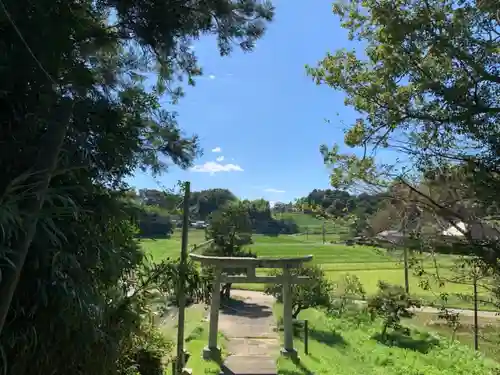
{"points": [[428, 87], [70, 275], [230, 228]]}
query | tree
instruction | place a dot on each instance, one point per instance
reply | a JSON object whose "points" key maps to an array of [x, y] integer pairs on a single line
{"points": [[316, 293], [427, 87], [208, 201], [163, 199], [77, 119], [431, 69], [230, 228], [347, 290], [391, 303]]}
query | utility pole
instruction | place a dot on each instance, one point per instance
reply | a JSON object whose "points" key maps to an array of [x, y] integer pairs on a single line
{"points": [[182, 276]]}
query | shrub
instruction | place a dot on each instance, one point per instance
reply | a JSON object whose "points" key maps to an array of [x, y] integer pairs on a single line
{"points": [[153, 223], [347, 290], [316, 293], [392, 303], [145, 354]]}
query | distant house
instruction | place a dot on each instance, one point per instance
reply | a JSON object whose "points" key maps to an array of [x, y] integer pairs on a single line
{"points": [[199, 224], [392, 236], [478, 231]]}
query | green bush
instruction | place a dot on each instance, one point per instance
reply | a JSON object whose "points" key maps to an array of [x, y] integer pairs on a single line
{"points": [[146, 353], [316, 293], [347, 290], [153, 224], [391, 303]]}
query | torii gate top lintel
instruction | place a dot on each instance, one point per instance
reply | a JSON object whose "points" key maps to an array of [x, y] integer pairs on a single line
{"points": [[265, 262]]}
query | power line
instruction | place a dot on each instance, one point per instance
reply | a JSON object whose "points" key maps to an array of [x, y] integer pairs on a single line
{"points": [[16, 29]]}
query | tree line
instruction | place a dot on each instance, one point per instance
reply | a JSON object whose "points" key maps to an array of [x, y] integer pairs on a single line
{"points": [[159, 211]]}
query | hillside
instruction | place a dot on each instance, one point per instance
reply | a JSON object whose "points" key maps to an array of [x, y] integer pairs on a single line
{"points": [[351, 345]]}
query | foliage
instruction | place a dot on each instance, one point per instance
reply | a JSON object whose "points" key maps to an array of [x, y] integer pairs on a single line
{"points": [[447, 53], [338, 345], [347, 290], [145, 353], [391, 303], [230, 228], [154, 223], [204, 203], [83, 106], [340, 203], [452, 319], [207, 201], [315, 293], [428, 88], [197, 287]]}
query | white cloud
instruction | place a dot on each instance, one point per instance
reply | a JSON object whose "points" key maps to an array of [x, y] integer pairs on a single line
{"points": [[271, 190], [217, 149], [214, 167], [219, 158], [211, 76]]}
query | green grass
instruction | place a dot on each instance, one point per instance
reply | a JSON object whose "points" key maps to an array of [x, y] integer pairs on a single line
{"points": [[313, 226], [489, 331], [339, 346], [160, 249], [196, 338], [368, 263], [302, 220]]}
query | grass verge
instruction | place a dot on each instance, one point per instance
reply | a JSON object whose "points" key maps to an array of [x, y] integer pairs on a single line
{"points": [[196, 329], [339, 346]]}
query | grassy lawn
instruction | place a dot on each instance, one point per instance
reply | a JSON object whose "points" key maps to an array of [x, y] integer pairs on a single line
{"points": [[368, 263], [160, 249], [339, 346], [196, 334], [489, 331]]}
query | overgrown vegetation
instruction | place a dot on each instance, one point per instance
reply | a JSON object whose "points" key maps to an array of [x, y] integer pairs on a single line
{"points": [[392, 303], [350, 344], [77, 118]]}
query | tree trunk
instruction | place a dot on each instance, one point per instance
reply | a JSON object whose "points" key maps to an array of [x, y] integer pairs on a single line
{"points": [[384, 332], [296, 312], [51, 143], [225, 292]]}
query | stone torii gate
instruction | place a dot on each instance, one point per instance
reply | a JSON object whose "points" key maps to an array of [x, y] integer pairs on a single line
{"points": [[251, 264]]}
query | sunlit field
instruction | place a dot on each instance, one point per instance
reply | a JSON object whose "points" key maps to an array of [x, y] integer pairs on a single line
{"points": [[369, 264]]}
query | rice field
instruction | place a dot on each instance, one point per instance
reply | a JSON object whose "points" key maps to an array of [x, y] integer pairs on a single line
{"points": [[367, 263]]}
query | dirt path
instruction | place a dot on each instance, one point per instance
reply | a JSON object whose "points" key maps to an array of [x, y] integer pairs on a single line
{"points": [[249, 326], [462, 312]]}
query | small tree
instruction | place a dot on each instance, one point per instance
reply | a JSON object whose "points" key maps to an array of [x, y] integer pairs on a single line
{"points": [[230, 228], [347, 290], [316, 293], [392, 303]]}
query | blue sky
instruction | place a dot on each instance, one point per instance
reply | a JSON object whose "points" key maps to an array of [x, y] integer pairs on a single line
{"points": [[259, 117]]}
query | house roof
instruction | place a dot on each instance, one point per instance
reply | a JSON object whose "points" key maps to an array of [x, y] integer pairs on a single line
{"points": [[477, 230]]}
